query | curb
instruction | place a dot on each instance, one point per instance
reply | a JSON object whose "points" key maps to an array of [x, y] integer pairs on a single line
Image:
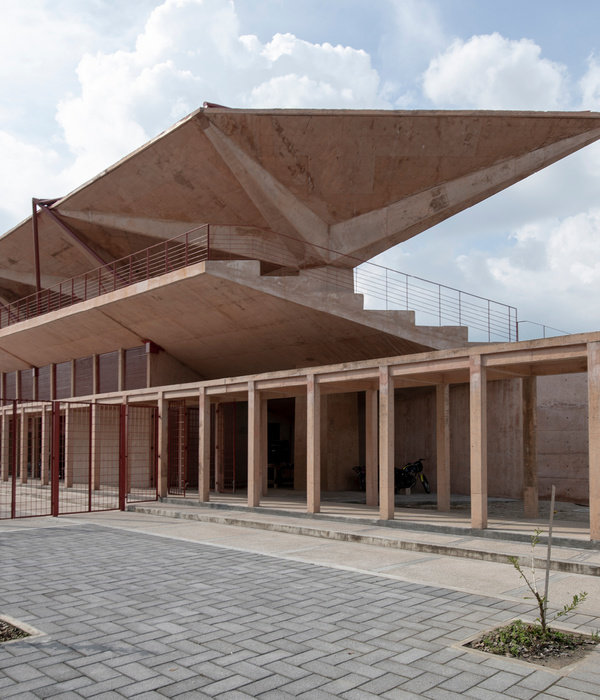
{"points": [[186, 513]]}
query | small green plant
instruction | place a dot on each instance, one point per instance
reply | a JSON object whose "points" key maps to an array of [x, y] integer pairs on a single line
{"points": [[542, 600], [527, 641]]}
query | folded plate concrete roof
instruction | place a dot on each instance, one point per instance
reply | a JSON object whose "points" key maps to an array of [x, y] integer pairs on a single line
{"points": [[329, 187], [353, 182]]}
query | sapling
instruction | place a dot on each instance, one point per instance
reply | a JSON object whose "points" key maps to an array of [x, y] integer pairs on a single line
{"points": [[542, 599]]}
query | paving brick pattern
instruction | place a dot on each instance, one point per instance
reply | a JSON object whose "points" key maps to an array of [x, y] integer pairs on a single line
{"points": [[130, 615]]}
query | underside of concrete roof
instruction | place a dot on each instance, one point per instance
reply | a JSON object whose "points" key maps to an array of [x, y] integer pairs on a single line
{"points": [[330, 188], [355, 183]]}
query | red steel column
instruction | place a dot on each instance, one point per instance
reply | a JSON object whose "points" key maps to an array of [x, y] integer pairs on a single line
{"points": [[55, 459], [122, 456]]}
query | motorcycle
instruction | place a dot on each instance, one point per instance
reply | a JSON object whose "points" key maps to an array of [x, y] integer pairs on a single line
{"points": [[404, 477]]}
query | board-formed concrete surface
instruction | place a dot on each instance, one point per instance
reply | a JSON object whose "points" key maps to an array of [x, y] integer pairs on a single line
{"points": [[129, 614]]}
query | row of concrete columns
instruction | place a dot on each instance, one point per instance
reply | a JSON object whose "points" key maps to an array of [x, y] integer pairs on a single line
{"points": [[379, 444]]}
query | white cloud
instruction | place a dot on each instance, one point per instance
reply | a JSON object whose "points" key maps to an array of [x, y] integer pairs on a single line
{"points": [[301, 74], [37, 164], [492, 72], [191, 51], [188, 52], [413, 35], [590, 86], [548, 267]]}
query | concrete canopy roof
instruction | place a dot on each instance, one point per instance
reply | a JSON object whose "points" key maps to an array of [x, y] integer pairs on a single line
{"points": [[328, 188], [214, 320], [355, 182]]}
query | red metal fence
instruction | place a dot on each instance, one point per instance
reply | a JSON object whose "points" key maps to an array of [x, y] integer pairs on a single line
{"points": [[64, 457], [177, 448]]}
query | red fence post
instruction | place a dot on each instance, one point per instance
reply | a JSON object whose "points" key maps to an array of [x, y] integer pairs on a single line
{"points": [[55, 459], [122, 456], [90, 454], [13, 460]]}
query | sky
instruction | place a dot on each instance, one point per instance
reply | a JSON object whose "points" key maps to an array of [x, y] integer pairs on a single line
{"points": [[85, 82]]}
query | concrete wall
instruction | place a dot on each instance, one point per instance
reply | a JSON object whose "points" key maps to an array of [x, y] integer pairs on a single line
{"points": [[342, 434], [562, 437], [163, 369], [563, 456], [340, 430]]}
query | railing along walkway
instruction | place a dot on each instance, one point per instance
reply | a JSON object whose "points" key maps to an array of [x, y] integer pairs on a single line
{"points": [[382, 288]]}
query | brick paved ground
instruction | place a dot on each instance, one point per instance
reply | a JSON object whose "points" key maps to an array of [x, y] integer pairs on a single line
{"points": [[131, 615]]}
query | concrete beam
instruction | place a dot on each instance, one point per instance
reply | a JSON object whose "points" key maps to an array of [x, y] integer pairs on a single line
{"points": [[161, 229], [375, 232], [284, 212]]}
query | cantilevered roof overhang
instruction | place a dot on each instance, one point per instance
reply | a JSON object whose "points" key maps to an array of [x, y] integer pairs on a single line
{"points": [[332, 188], [219, 319], [353, 182]]}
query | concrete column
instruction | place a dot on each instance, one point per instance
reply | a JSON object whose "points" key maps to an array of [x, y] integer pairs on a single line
{"points": [[264, 445], [254, 446], [313, 445], [442, 425], [371, 456], [163, 446], [204, 447], [73, 378], [23, 434], [386, 444], [594, 437], [530, 472], [478, 414]]}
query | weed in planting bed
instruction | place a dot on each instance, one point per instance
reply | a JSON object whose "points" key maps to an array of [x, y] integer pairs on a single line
{"points": [[529, 642], [9, 632]]}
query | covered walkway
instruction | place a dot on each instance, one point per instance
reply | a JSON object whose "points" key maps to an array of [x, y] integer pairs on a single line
{"points": [[135, 442], [474, 366]]}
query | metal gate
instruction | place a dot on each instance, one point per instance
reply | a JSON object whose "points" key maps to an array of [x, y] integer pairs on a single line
{"points": [[183, 442], [225, 428], [177, 448], [64, 457]]}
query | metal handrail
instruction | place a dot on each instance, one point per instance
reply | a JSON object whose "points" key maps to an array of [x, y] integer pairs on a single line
{"points": [[168, 256], [547, 331], [381, 288]]}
